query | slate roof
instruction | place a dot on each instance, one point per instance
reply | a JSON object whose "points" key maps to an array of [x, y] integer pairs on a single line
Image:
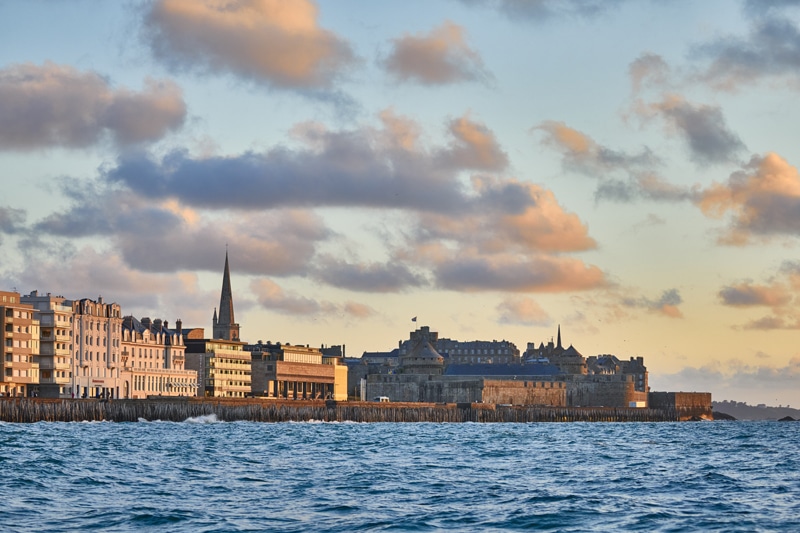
{"points": [[511, 369]]}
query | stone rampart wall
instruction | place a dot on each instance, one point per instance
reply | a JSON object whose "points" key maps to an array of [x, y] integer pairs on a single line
{"points": [[688, 405], [602, 391], [550, 393]]}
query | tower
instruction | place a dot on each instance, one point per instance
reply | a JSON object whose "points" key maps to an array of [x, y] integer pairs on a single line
{"points": [[224, 325], [559, 336]]}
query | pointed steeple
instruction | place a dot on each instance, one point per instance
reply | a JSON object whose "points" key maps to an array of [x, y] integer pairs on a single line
{"points": [[226, 297], [225, 326], [559, 336]]}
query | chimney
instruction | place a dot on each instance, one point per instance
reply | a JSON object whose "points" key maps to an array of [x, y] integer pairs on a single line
{"points": [[179, 326], [146, 322]]}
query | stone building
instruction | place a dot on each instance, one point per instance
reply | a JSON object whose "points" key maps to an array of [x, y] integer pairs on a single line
{"points": [[296, 372], [550, 375], [153, 357], [97, 336], [478, 352], [54, 314], [607, 364], [569, 360], [20, 376]]}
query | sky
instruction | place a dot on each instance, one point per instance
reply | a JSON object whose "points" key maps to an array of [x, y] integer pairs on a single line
{"points": [[626, 170]]}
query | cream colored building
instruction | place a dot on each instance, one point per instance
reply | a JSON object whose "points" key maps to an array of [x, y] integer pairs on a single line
{"points": [[97, 347], [222, 366], [20, 376], [296, 372], [153, 358], [55, 343]]}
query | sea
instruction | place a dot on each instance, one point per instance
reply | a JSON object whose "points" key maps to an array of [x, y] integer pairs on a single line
{"points": [[203, 475]]}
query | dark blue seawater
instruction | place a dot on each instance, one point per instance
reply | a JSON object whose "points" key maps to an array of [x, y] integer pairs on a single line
{"points": [[204, 476]]}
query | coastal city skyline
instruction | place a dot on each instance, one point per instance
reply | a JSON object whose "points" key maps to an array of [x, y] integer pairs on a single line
{"points": [[493, 168]]}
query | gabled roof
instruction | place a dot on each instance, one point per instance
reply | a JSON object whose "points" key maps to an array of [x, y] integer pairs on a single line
{"points": [[571, 352]]}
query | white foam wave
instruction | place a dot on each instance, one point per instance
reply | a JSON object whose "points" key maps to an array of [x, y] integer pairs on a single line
{"points": [[204, 419]]}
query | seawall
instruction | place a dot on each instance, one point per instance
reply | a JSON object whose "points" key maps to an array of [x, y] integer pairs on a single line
{"points": [[27, 410]]}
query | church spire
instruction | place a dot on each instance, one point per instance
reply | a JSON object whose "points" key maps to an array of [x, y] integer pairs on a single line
{"points": [[225, 326], [226, 297], [559, 337]]}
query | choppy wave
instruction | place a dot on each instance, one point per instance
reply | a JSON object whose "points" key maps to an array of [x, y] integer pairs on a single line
{"points": [[205, 419], [204, 475]]}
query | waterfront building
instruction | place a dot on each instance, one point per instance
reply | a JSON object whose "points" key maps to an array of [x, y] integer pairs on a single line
{"points": [[153, 359], [223, 367], [296, 372], [20, 376], [54, 314], [606, 364], [97, 337], [422, 357]]}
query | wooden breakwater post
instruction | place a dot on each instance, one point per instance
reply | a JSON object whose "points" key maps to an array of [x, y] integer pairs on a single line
{"points": [[27, 410]]}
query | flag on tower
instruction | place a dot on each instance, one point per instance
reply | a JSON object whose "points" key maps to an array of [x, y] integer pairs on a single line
{"points": [[414, 319]]}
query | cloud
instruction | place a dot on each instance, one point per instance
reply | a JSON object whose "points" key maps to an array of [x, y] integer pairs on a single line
{"points": [[522, 311], [52, 105], [12, 220], [279, 44], [366, 277], [648, 70], [90, 272], [763, 200], [580, 153], [583, 154], [763, 7], [439, 58], [542, 10], [666, 305], [771, 322], [702, 126], [770, 51], [487, 233], [780, 292], [537, 224], [515, 274], [273, 297], [364, 167], [473, 147], [277, 242], [747, 295], [358, 310]]}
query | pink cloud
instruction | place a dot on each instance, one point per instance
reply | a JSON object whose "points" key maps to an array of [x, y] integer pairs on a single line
{"points": [[524, 311], [437, 58], [763, 200], [269, 41], [50, 105]]}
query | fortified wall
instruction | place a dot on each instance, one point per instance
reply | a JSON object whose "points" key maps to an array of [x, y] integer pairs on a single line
{"points": [[687, 405], [549, 393], [604, 390], [447, 389]]}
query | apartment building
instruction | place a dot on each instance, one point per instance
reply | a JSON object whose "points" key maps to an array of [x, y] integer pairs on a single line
{"points": [[54, 314], [97, 346], [20, 375]]}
